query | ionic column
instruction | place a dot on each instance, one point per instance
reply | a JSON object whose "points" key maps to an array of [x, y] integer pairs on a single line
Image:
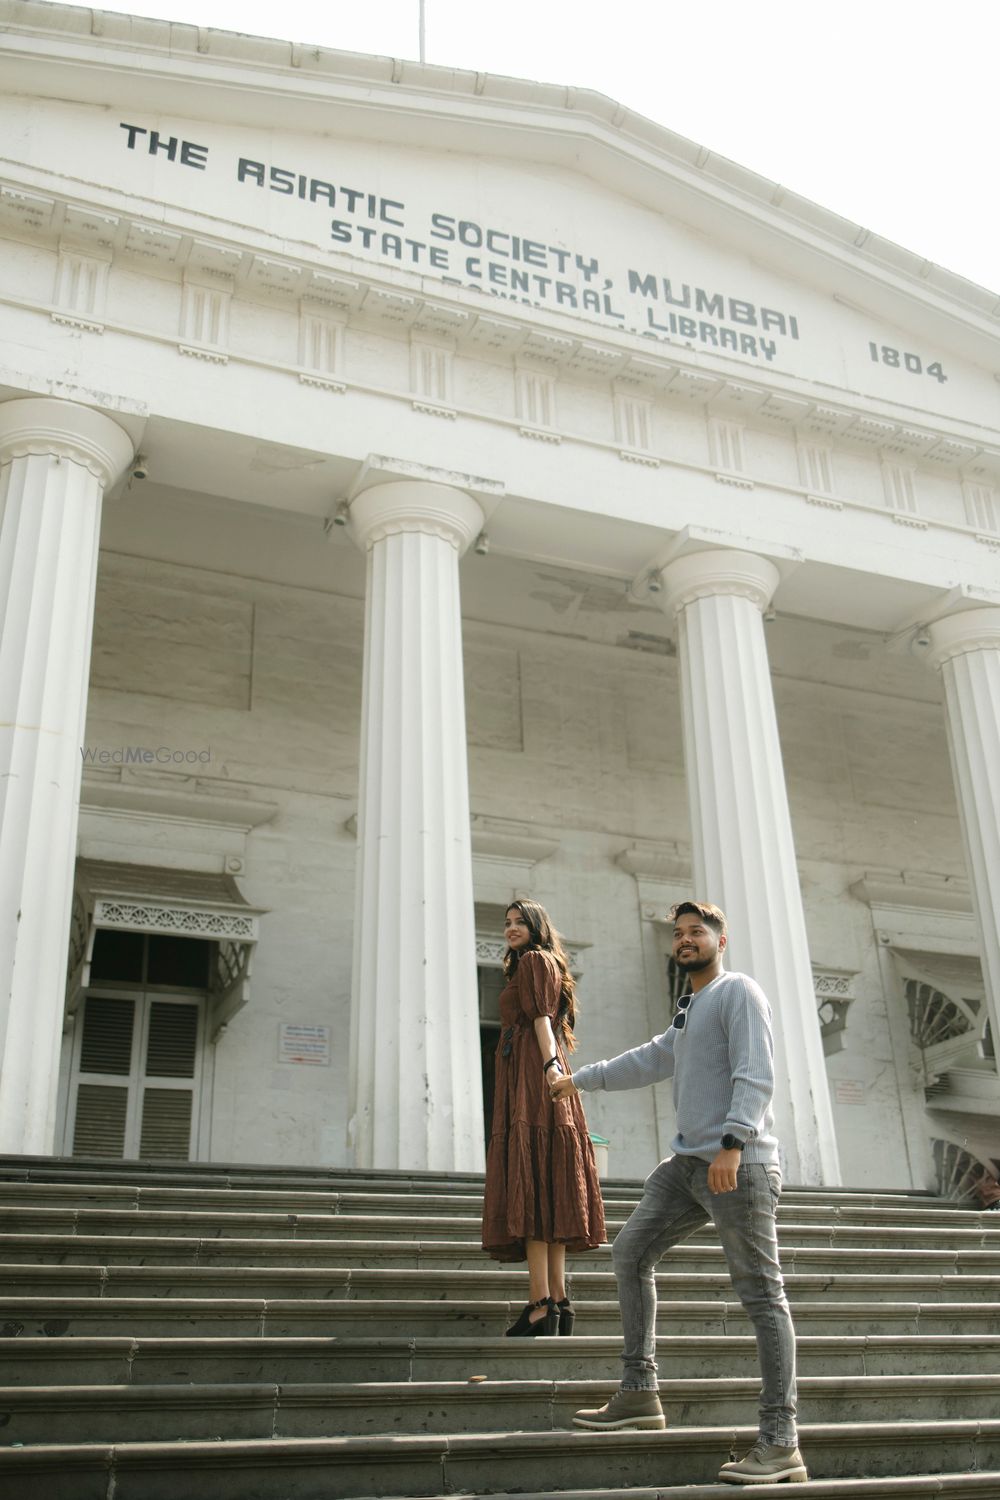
{"points": [[965, 648], [742, 849], [57, 458], [416, 1090]]}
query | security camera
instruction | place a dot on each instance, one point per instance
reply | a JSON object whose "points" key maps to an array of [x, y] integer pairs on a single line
{"points": [[140, 467], [922, 639], [342, 514], [654, 583], [482, 544]]}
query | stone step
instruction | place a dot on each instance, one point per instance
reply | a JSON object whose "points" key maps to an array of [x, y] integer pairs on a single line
{"points": [[801, 1206], [964, 1486], [449, 1255], [125, 1361], [268, 1325], [291, 1317], [463, 1229], [16, 1168], [155, 1413], [448, 1281], [346, 1468]]}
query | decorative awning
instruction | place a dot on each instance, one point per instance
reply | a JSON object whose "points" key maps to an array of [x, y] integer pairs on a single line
{"points": [[174, 903]]}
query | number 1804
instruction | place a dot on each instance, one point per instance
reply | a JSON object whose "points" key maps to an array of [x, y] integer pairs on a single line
{"points": [[882, 354]]}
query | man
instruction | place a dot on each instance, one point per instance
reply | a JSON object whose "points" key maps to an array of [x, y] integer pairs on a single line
{"points": [[718, 1050]]}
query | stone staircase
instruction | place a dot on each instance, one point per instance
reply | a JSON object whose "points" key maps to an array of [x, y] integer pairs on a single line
{"points": [[200, 1332]]}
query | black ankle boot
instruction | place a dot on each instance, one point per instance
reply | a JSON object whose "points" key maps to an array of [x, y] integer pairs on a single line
{"points": [[524, 1328], [567, 1317]]}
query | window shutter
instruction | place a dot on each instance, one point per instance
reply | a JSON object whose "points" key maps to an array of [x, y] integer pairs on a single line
{"points": [[171, 1053], [107, 1036], [166, 1124], [173, 1040], [100, 1120]]}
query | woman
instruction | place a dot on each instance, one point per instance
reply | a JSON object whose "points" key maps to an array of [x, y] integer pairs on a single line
{"points": [[542, 1194]]}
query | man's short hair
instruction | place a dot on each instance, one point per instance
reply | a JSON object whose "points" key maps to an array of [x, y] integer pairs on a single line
{"points": [[711, 915]]}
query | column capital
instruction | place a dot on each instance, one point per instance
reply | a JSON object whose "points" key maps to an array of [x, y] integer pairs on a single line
{"points": [[718, 571], [47, 425], [406, 505], [968, 630]]}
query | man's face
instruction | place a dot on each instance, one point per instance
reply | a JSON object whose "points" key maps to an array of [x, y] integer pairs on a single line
{"points": [[696, 945]]}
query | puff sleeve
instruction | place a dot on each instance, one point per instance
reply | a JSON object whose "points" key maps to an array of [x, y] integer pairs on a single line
{"points": [[539, 984]]}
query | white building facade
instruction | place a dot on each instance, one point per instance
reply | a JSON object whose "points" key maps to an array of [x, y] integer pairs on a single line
{"points": [[420, 489]]}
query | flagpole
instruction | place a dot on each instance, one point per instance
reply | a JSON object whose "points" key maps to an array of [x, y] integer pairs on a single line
{"points": [[423, 33]]}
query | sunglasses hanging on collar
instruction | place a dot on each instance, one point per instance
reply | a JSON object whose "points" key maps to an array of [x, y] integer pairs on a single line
{"points": [[680, 1016]]}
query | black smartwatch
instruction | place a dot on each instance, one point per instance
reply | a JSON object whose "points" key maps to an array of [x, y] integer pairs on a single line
{"points": [[732, 1143]]}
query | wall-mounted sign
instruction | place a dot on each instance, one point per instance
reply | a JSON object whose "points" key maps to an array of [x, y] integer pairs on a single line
{"points": [[304, 1044]]}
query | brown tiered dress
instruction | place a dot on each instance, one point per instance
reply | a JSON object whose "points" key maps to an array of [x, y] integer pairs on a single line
{"points": [[541, 1177]]}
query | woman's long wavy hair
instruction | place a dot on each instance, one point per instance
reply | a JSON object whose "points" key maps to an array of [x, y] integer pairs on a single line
{"points": [[545, 937]]}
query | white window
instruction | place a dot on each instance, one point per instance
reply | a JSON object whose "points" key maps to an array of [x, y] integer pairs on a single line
{"points": [[139, 1055]]}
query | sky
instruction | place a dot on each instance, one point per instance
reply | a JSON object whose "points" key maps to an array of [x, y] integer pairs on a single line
{"points": [[884, 111]]}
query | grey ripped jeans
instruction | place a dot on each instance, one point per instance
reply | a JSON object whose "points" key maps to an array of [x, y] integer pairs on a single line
{"points": [[676, 1201]]}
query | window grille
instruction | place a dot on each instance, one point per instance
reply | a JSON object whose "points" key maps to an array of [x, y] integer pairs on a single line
{"points": [[933, 1016], [958, 1172]]}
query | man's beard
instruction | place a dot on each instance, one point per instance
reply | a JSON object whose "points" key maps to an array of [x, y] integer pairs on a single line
{"points": [[693, 965]]}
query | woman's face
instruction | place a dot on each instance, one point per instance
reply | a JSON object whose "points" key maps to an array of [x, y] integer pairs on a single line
{"points": [[517, 933]]}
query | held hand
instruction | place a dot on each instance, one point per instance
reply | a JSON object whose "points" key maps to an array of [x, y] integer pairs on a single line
{"points": [[722, 1172], [560, 1085]]}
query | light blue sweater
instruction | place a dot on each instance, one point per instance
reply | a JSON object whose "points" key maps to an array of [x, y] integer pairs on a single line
{"points": [[722, 1064]]}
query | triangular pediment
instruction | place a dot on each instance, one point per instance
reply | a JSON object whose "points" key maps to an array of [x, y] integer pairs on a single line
{"points": [[351, 180]]}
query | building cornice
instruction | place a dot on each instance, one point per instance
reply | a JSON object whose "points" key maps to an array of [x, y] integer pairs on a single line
{"points": [[569, 345]]}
